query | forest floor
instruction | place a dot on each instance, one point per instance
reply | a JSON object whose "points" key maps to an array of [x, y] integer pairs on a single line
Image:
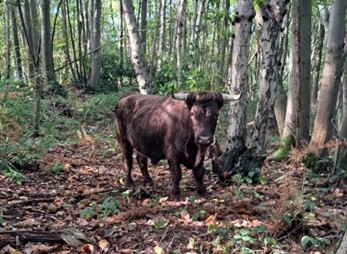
{"points": [[77, 203]]}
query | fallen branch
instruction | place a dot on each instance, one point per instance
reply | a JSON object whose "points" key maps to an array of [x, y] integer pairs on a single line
{"points": [[71, 236]]}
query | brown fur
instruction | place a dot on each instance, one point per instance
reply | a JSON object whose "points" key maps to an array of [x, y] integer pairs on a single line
{"points": [[160, 127]]}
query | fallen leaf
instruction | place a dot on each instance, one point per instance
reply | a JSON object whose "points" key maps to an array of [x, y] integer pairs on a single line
{"points": [[87, 248], [159, 250], [104, 245]]}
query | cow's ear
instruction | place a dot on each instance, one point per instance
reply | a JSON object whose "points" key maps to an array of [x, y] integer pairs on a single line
{"points": [[190, 100], [220, 103]]}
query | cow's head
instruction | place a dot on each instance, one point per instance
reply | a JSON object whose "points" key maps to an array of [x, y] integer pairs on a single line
{"points": [[204, 109]]}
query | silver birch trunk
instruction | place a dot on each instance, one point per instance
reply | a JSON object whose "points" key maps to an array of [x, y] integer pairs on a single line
{"points": [[273, 12], [181, 13], [162, 26], [238, 72], [331, 75], [17, 52], [137, 57], [7, 36]]}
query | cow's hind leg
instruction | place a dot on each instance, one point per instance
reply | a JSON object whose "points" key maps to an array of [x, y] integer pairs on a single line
{"points": [[199, 173], [142, 161], [127, 150]]}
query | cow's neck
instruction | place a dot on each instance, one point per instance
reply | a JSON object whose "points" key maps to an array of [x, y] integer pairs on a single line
{"points": [[195, 153], [200, 155]]}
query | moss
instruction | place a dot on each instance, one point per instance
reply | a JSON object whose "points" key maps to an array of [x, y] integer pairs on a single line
{"points": [[283, 150]]}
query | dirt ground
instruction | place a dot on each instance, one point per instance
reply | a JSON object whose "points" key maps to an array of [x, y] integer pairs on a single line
{"points": [[77, 203]]}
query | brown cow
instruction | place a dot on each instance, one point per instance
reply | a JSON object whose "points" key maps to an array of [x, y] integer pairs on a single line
{"points": [[178, 128]]}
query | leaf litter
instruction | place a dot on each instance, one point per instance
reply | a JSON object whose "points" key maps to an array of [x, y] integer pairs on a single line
{"points": [[78, 203]]}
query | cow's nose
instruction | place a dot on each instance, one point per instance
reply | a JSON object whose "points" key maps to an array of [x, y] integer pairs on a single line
{"points": [[205, 140]]}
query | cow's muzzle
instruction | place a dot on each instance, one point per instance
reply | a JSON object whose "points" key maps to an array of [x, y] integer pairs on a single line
{"points": [[205, 140]]}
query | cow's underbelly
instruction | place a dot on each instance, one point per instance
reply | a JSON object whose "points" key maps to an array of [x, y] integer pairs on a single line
{"points": [[150, 148]]}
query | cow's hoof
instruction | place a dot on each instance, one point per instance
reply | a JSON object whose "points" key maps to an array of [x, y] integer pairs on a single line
{"points": [[175, 197], [129, 182], [205, 194]]}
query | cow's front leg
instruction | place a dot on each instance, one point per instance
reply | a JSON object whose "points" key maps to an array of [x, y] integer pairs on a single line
{"points": [[199, 173], [176, 176], [142, 161]]}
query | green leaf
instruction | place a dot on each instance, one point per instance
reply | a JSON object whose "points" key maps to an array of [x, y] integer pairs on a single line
{"points": [[244, 231], [270, 241], [307, 241], [211, 228], [160, 224], [237, 237], [247, 238]]}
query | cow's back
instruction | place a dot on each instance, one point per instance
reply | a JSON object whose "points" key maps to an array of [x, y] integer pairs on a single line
{"points": [[153, 125]]}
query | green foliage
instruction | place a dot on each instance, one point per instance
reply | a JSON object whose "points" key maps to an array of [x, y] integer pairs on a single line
{"points": [[113, 69], [315, 163], [252, 177], [57, 168], [98, 109], [12, 174], [199, 215], [194, 79], [243, 236], [110, 206], [160, 224], [89, 212]]}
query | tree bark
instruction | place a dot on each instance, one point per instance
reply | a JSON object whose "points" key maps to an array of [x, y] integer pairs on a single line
{"points": [[95, 45], [238, 71], [162, 29], [303, 66], [46, 42], [136, 50], [273, 12], [17, 54], [7, 33], [238, 83], [331, 76], [181, 14], [317, 58]]}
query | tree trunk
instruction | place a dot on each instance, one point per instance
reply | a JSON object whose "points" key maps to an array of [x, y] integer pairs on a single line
{"points": [[31, 37], [238, 83], [17, 54], [331, 76], [144, 26], [95, 45], [46, 42], [280, 106], [7, 33], [303, 66], [65, 28], [181, 14], [135, 46], [341, 152], [162, 26], [273, 13], [298, 102], [317, 58]]}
